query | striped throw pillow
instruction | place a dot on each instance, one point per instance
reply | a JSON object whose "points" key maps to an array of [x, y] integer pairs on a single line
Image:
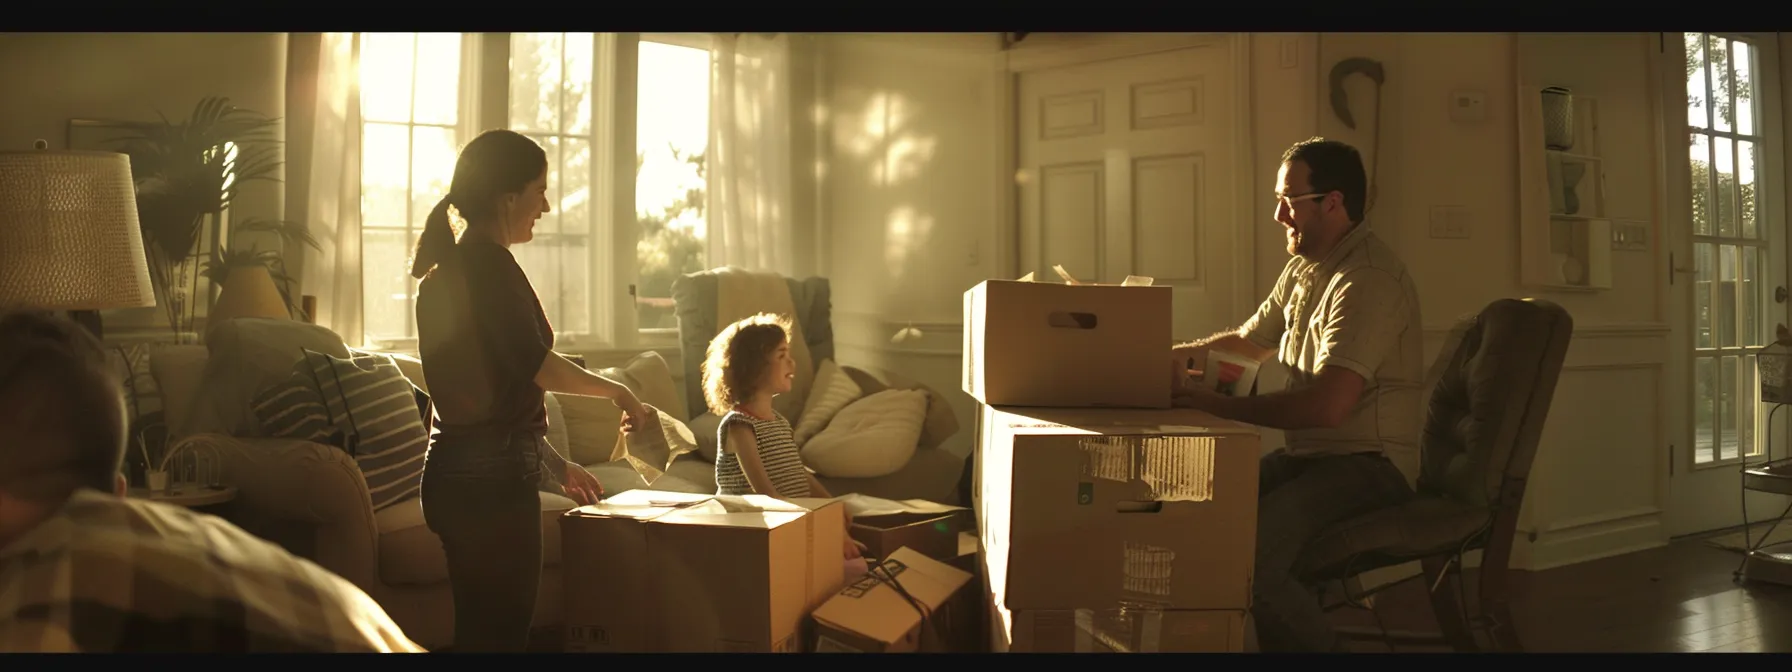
{"points": [[366, 397]]}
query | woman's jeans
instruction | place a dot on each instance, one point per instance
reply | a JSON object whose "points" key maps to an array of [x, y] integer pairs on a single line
{"points": [[479, 497]]}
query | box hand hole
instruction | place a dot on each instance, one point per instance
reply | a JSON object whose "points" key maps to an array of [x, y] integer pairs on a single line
{"points": [[1069, 320]]}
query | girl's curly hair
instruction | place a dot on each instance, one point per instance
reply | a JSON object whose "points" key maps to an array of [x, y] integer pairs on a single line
{"points": [[738, 358]]}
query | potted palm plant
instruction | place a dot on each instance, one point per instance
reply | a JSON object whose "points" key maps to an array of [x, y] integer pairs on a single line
{"points": [[188, 174]]}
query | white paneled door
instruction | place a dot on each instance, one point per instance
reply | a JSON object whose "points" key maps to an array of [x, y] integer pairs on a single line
{"points": [[1130, 166], [1725, 229]]}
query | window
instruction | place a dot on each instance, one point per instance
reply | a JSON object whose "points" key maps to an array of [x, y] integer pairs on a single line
{"points": [[1731, 260], [603, 280], [671, 137]]}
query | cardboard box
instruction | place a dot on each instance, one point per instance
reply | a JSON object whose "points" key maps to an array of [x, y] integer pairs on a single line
{"points": [[969, 557], [657, 572], [934, 535], [1058, 345], [1140, 507], [871, 616], [604, 560], [971, 635]]}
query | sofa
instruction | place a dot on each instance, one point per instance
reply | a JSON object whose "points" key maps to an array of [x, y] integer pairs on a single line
{"points": [[315, 499]]}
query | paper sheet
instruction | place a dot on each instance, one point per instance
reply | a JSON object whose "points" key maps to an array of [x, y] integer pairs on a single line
{"points": [[651, 452], [858, 505], [1063, 274]]}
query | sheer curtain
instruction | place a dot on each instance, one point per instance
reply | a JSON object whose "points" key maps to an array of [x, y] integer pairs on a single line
{"points": [[748, 163], [324, 185]]}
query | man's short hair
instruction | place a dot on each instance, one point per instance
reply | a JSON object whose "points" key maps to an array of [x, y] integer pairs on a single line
{"points": [[1334, 166], [61, 409]]}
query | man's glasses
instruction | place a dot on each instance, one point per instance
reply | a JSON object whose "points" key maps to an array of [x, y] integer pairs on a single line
{"points": [[1283, 199]]}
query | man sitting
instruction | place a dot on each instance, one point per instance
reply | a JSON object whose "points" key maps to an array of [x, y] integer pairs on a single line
{"points": [[1344, 319], [84, 569]]}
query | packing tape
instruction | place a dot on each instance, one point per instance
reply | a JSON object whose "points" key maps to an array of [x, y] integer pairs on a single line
{"points": [[1130, 628], [1145, 569], [1173, 468]]}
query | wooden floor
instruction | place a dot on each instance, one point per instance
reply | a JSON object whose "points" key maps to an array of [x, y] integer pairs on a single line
{"points": [[1677, 598]]}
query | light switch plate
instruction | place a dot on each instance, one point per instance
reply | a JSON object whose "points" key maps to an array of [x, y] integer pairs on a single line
{"points": [[1468, 107], [1630, 236]]}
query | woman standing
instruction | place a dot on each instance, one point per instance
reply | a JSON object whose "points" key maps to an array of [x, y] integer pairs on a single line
{"points": [[487, 353]]}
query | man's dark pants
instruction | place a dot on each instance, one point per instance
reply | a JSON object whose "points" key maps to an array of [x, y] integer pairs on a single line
{"points": [[1297, 498]]}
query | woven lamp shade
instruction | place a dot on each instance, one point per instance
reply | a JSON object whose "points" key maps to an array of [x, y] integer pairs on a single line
{"points": [[69, 238]]}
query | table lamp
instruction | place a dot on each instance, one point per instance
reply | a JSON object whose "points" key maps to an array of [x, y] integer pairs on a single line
{"points": [[69, 237], [249, 291]]}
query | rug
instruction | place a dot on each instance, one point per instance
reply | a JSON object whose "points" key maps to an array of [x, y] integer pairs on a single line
{"points": [[1735, 541]]}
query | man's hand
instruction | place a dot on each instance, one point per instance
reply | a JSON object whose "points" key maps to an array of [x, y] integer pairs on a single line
{"points": [[581, 486], [1197, 397], [854, 549], [1182, 377]]}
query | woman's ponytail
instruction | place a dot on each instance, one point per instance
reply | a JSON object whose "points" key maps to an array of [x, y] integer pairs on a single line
{"points": [[438, 236]]}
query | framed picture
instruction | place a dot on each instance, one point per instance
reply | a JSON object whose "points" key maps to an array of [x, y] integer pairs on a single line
{"points": [[101, 135]]}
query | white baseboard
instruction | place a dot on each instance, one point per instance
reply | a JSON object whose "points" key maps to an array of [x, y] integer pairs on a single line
{"points": [[1581, 543]]}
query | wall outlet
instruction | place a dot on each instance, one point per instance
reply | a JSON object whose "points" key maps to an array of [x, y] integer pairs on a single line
{"points": [[1630, 237], [1449, 222], [1468, 107]]}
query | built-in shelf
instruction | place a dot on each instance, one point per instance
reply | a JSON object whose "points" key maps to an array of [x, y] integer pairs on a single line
{"points": [[1565, 234]]}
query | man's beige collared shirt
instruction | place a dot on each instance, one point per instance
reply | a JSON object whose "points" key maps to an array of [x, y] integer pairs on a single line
{"points": [[1358, 309]]}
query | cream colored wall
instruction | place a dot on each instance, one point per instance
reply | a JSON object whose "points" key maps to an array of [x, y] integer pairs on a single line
{"points": [[911, 198], [53, 77]]}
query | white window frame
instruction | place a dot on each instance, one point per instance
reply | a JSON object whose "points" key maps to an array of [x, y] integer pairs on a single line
{"points": [[485, 103]]}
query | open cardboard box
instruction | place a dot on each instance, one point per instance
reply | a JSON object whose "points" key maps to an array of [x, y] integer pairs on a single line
{"points": [[884, 525], [651, 571], [1070, 345]]}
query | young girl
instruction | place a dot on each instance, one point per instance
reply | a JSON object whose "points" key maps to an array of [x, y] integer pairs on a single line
{"points": [[749, 363]]}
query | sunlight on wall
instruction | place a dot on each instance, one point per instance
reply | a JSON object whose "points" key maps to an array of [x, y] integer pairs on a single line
{"points": [[905, 232], [882, 134], [897, 154]]}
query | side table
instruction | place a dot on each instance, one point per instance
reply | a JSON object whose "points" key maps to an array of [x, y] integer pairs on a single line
{"points": [[190, 495]]}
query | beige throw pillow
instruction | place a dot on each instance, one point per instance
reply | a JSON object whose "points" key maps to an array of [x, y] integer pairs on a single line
{"points": [[832, 391], [870, 438]]}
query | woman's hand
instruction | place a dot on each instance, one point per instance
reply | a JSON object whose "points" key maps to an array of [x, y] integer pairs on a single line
{"points": [[635, 414], [581, 486], [854, 549]]}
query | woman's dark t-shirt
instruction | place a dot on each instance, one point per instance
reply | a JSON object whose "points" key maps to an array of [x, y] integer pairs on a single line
{"points": [[482, 336]]}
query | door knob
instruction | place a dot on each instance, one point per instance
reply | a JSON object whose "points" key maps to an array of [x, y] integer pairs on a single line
{"points": [[1779, 294]]}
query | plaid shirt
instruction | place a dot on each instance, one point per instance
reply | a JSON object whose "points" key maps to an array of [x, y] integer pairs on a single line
{"points": [[110, 574]]}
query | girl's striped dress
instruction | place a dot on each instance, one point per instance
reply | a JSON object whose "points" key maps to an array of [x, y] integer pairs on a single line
{"points": [[777, 451]]}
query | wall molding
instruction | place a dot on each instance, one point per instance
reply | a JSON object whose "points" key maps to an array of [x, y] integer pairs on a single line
{"points": [[1593, 537], [1041, 51], [872, 332]]}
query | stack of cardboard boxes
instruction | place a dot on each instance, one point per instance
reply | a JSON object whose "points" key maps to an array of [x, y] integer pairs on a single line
{"points": [[1108, 521]]}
